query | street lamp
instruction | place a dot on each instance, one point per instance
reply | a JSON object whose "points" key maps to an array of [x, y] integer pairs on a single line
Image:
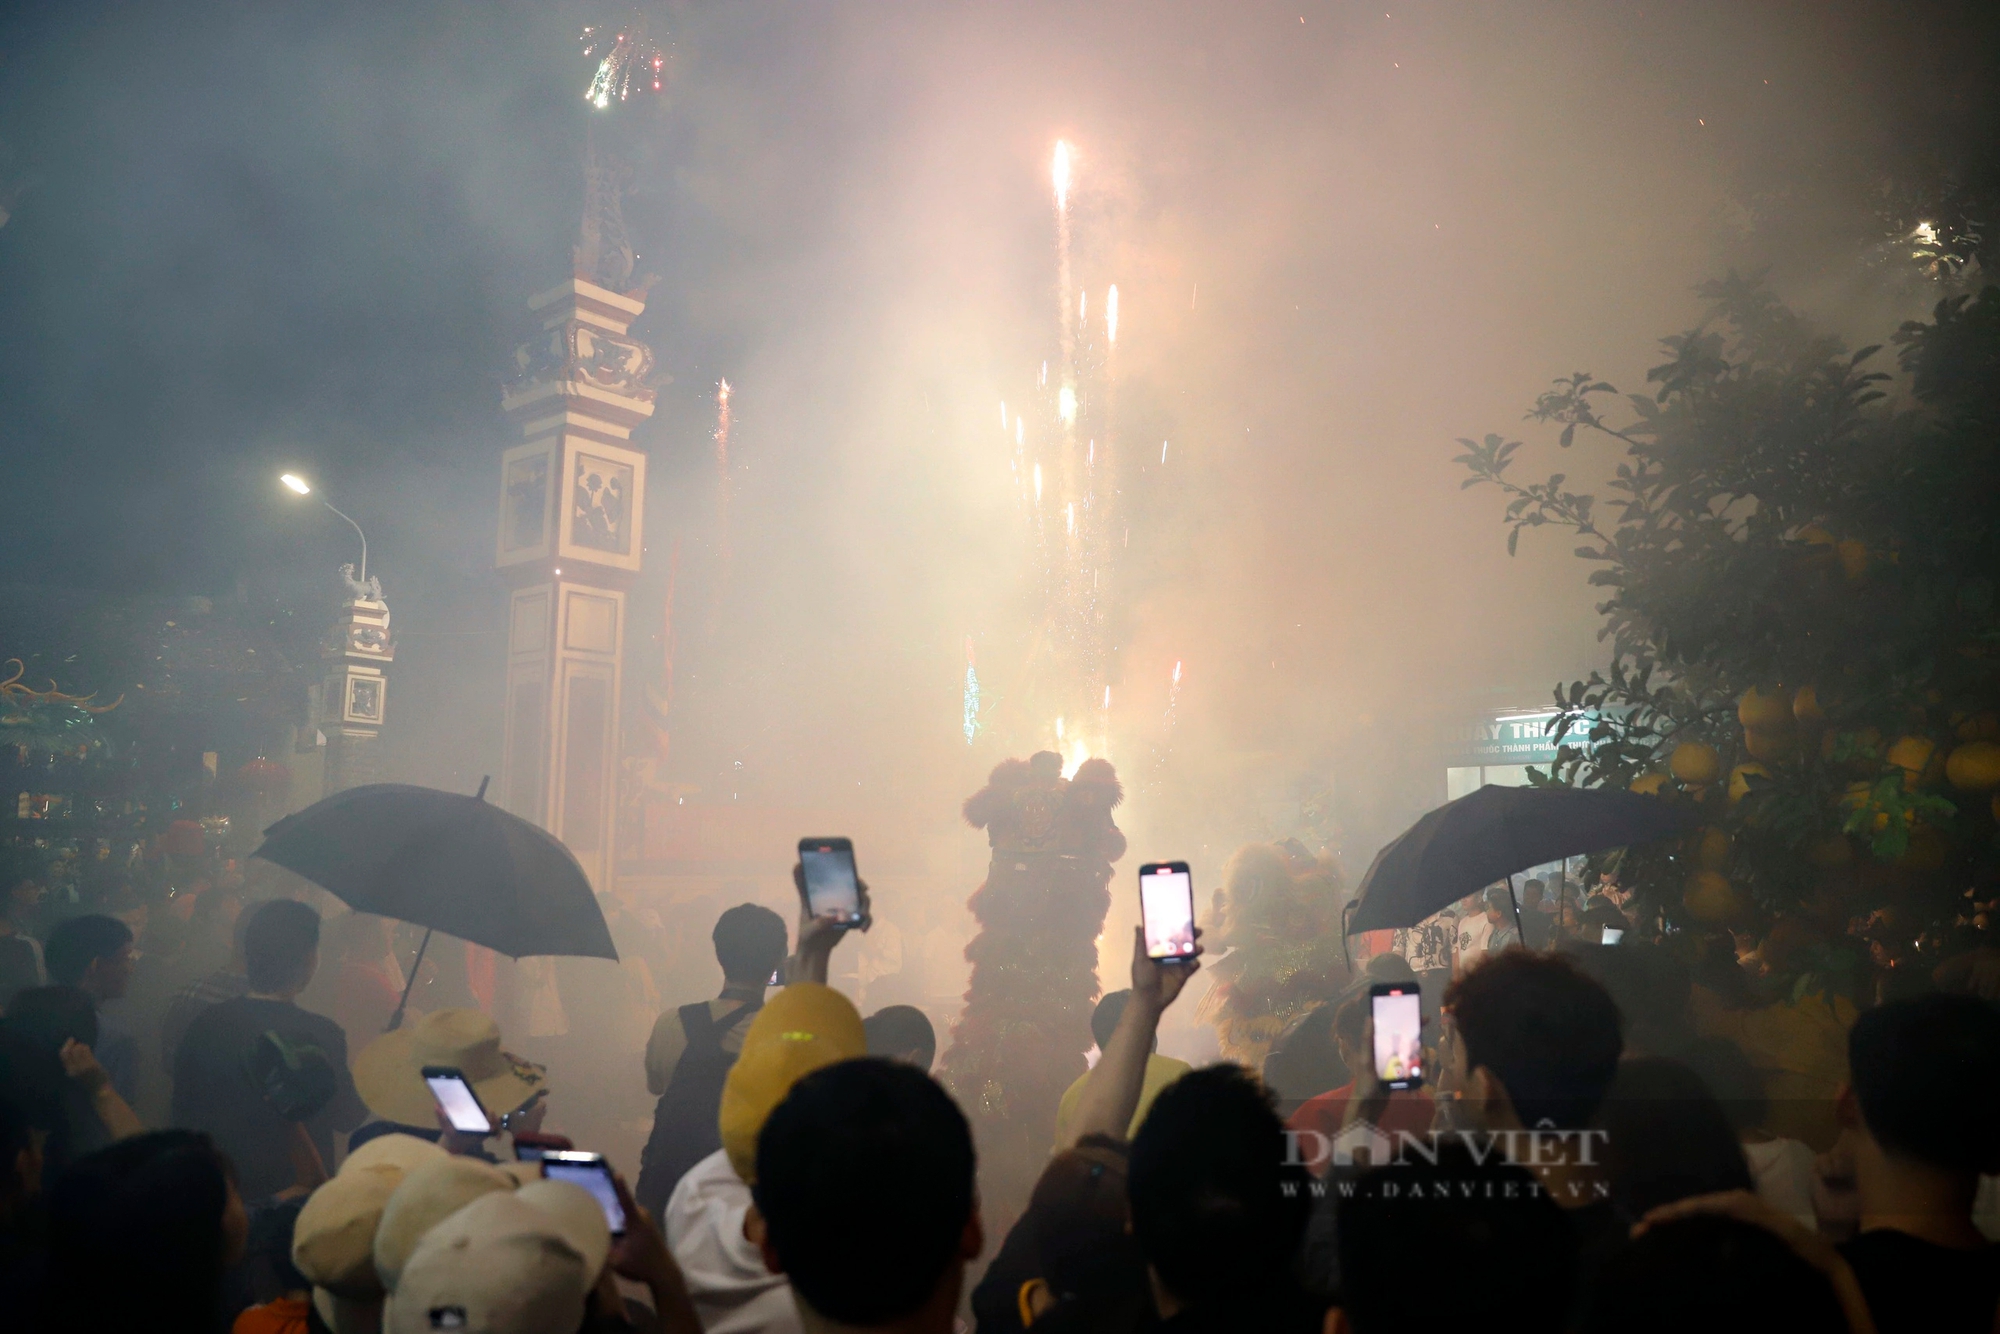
{"points": [[293, 482]]}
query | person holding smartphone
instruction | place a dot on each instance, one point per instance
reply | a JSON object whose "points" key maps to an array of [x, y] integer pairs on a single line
{"points": [[691, 1050], [1318, 1120], [693, 1047]]}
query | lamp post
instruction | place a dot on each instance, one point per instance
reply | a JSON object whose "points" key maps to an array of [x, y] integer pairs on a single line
{"points": [[352, 697], [294, 482]]}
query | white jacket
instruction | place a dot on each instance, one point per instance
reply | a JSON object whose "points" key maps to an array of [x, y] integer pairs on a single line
{"points": [[732, 1290]]}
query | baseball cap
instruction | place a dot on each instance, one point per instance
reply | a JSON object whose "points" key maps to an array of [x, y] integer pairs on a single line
{"points": [[802, 1028], [428, 1196], [500, 1265]]}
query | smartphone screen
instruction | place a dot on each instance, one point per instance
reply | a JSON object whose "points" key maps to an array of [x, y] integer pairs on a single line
{"points": [[1613, 934], [590, 1171], [457, 1101], [1166, 909], [831, 888], [1398, 1011]]}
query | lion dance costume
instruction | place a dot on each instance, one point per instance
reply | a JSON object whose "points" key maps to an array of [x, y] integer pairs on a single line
{"points": [[1020, 1040], [1278, 915]]}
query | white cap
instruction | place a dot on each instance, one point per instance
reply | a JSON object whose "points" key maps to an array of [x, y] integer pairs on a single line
{"points": [[577, 1215], [500, 1265]]}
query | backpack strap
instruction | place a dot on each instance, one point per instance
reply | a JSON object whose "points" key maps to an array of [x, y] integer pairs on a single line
{"points": [[704, 1030], [697, 1025]]}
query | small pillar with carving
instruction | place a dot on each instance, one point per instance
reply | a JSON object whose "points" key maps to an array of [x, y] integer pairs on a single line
{"points": [[354, 693]]}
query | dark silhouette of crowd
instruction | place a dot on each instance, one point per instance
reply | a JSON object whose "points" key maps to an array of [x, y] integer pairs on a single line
{"points": [[1603, 1142]]}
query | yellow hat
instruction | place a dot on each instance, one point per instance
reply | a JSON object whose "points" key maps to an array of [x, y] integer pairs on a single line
{"points": [[799, 1030]]}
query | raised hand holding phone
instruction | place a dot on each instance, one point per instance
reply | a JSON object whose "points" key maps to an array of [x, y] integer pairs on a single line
{"points": [[1396, 1034], [590, 1171], [833, 900], [1111, 1094], [1166, 910]]}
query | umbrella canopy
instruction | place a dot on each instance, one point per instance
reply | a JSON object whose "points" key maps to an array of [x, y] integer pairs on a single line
{"points": [[1465, 845], [445, 861]]}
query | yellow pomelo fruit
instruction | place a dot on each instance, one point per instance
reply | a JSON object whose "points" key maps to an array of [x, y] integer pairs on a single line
{"points": [[1695, 762], [1980, 727], [1711, 849], [1768, 710], [1739, 779], [1974, 767], [1912, 754], [1709, 897], [1805, 708]]}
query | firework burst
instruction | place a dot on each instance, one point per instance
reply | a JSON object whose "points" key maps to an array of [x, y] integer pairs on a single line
{"points": [[629, 59]]}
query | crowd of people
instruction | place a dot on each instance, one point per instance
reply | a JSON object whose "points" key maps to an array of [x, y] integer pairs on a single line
{"points": [[1614, 1131]]}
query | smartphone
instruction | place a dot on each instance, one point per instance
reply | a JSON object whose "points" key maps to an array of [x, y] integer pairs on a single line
{"points": [[831, 887], [1166, 910], [1398, 1011], [457, 1101], [590, 1171], [1613, 934]]}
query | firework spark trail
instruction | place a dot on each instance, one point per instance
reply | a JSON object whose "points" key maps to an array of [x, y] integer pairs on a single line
{"points": [[1070, 306], [722, 497], [628, 57], [971, 694]]}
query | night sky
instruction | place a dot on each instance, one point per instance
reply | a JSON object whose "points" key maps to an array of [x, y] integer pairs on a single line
{"points": [[253, 237]]}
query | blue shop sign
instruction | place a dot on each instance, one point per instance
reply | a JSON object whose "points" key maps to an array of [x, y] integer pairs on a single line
{"points": [[1522, 738]]}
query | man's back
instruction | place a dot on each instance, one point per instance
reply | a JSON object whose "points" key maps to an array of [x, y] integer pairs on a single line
{"points": [[687, 1061], [213, 1091]]}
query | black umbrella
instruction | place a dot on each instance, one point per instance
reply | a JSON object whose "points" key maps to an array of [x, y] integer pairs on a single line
{"points": [[446, 862], [1465, 845]]}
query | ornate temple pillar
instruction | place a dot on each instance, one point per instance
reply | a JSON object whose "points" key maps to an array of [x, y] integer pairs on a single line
{"points": [[354, 694], [572, 501]]}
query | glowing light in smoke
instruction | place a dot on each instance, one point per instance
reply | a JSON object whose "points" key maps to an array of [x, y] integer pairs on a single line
{"points": [[1071, 510], [1018, 436], [971, 695], [1163, 451], [1111, 315], [1038, 483], [627, 58], [1060, 174], [1066, 405]]}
